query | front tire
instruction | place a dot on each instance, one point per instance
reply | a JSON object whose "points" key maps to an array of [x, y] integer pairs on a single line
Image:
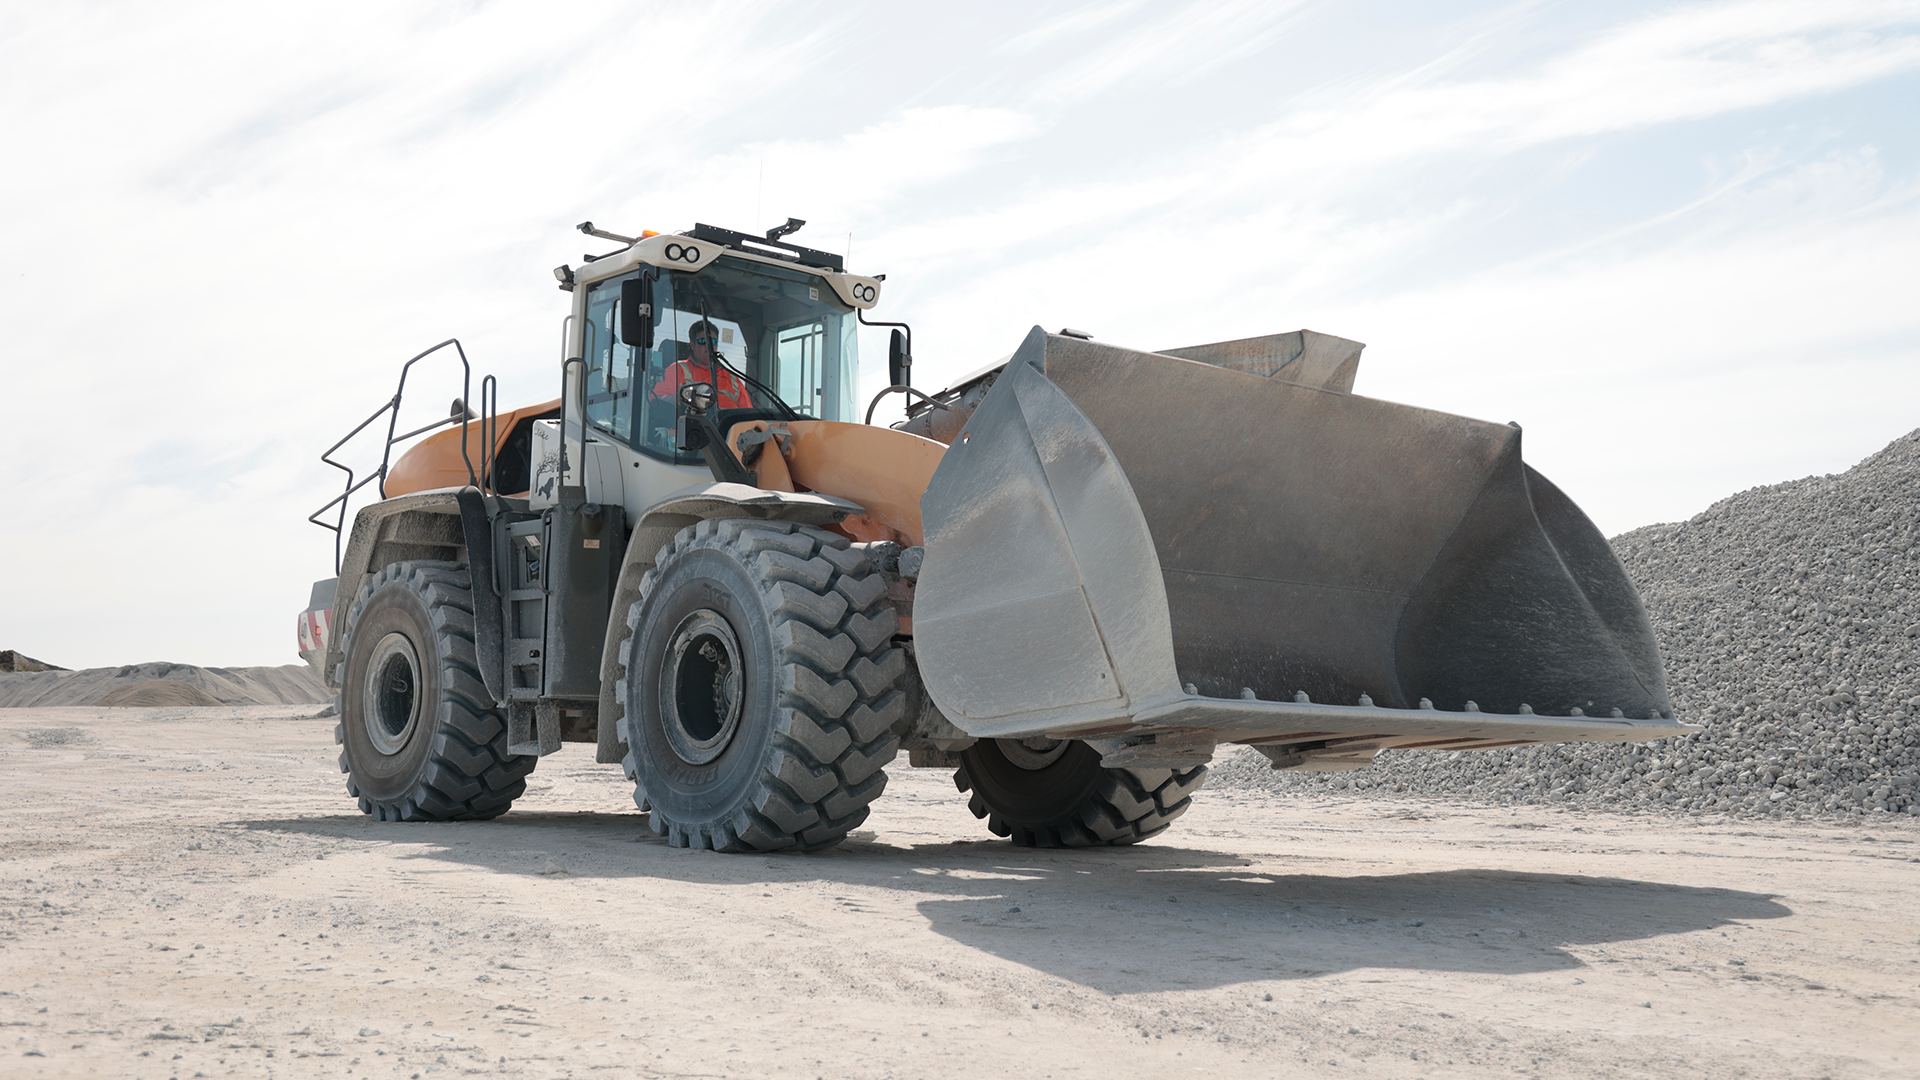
{"points": [[421, 739], [1047, 793], [759, 687]]}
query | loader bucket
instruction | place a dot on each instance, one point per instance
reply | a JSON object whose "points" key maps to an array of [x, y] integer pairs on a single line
{"points": [[1121, 540]]}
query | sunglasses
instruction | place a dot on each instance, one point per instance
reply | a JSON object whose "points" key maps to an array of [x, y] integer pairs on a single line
{"points": [[706, 341]]}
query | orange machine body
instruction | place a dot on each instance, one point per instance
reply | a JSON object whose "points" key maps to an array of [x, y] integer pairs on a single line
{"points": [[884, 470], [435, 461]]}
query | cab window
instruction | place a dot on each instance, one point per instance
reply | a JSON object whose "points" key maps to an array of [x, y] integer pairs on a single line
{"points": [[610, 364], [791, 334], [783, 337]]}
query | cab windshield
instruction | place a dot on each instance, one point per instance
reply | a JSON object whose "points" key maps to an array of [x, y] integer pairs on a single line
{"points": [[747, 327]]}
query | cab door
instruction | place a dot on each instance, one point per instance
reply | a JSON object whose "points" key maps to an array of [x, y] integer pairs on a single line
{"points": [[638, 461]]}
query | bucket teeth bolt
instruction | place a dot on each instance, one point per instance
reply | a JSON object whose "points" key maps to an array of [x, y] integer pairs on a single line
{"points": [[1526, 709], [1426, 703], [1246, 694], [1618, 715], [1188, 689], [1300, 696], [1473, 706], [1576, 711], [1365, 701]]}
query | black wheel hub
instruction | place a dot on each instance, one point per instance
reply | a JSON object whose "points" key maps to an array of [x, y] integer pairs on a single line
{"points": [[390, 701], [703, 686]]}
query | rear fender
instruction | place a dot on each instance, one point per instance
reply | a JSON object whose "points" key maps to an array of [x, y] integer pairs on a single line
{"points": [[424, 525]]}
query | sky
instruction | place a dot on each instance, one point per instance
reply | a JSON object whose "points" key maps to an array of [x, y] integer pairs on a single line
{"points": [[1674, 241]]}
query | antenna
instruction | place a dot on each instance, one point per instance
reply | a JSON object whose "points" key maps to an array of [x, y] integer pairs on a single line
{"points": [[587, 227]]}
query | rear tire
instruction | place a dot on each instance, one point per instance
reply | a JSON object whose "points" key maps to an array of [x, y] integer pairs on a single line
{"points": [[759, 687], [1059, 795], [421, 739]]}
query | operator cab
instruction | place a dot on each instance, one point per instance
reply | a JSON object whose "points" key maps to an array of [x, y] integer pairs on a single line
{"points": [[783, 333]]}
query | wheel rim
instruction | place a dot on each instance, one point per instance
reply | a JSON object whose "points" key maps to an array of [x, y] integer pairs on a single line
{"points": [[390, 702], [702, 688], [1032, 754]]}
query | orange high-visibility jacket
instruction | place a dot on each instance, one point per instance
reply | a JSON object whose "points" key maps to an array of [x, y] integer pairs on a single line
{"points": [[729, 392]]}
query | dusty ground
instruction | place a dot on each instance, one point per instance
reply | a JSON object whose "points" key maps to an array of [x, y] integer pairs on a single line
{"points": [[188, 892]]}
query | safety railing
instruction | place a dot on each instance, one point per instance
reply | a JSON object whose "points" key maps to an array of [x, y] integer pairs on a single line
{"points": [[489, 429], [489, 403]]}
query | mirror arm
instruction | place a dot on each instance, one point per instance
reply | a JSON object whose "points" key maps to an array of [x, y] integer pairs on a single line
{"points": [[911, 393], [906, 360]]}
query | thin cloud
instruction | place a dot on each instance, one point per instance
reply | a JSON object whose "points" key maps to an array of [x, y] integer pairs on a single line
{"points": [[1071, 25], [1680, 66], [1177, 45]]}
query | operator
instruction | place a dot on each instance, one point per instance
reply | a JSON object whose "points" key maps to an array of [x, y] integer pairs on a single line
{"points": [[729, 391]]}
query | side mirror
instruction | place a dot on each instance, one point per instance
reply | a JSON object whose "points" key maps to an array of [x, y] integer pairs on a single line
{"points": [[636, 312], [899, 362]]}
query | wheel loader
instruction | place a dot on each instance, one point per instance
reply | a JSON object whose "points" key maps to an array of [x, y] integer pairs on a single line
{"points": [[1070, 577]]}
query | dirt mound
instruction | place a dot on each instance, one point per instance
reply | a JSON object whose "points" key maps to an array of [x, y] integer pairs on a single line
{"points": [[155, 692], [13, 661], [291, 684], [1789, 619]]}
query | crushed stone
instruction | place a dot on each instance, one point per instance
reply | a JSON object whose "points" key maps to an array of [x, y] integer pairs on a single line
{"points": [[158, 692], [1789, 620], [288, 684]]}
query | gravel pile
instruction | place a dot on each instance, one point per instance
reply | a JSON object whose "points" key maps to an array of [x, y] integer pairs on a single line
{"points": [[158, 693], [289, 684], [1789, 619]]}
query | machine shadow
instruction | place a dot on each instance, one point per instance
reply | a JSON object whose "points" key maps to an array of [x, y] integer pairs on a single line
{"points": [[1235, 927], [1138, 919]]}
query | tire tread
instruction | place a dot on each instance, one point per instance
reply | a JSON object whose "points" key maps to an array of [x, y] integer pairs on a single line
{"points": [[1125, 806], [835, 678], [468, 774]]}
